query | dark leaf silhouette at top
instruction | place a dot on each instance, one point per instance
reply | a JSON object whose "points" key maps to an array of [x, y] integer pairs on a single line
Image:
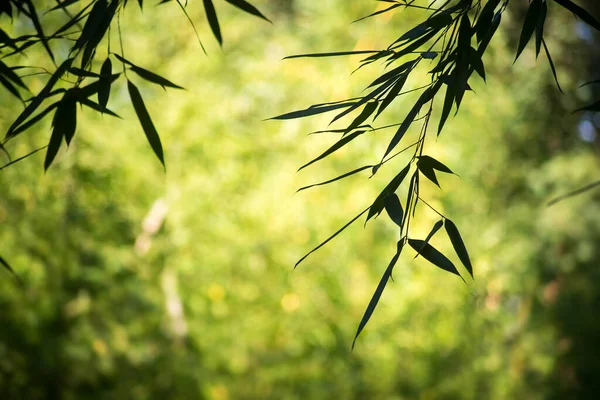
{"points": [[247, 7], [580, 12], [531, 21], [213, 21]]}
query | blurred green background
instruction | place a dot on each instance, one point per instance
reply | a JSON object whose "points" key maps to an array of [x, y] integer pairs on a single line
{"points": [[141, 284]]}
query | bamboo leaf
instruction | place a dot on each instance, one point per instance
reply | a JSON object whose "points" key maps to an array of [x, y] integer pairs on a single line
{"points": [[145, 121], [459, 245], [247, 7], [213, 21], [432, 255], [378, 292]]}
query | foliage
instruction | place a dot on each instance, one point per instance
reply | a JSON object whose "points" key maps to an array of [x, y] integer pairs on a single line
{"points": [[97, 316]]}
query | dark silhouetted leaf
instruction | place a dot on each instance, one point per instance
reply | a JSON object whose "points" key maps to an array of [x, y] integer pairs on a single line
{"points": [[83, 73], [354, 171], [377, 295], [429, 55], [531, 20], [484, 22], [147, 75], [378, 12], [394, 209], [213, 21], [591, 107], [336, 146], [93, 88], [429, 162], [41, 96], [539, 28], [477, 62], [459, 245], [331, 54], [392, 94], [314, 110], [247, 7], [104, 82], [574, 193], [96, 107], [551, 65], [365, 113], [429, 173], [429, 253], [68, 118], [10, 74], [55, 141], [331, 237], [146, 121], [10, 87], [7, 266], [412, 114], [378, 204], [394, 73], [38, 27], [436, 227], [63, 4], [580, 12]]}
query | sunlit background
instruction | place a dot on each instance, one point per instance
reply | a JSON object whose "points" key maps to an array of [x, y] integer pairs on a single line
{"points": [[145, 284]]}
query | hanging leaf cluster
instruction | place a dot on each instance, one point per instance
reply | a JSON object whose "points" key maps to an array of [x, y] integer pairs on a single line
{"points": [[449, 44], [81, 79]]}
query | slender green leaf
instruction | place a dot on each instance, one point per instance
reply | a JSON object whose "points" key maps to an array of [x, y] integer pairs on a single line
{"points": [[337, 178], [432, 255], [590, 107], [531, 20], [393, 208], [10, 74], [145, 121], [336, 146], [96, 107], [213, 21], [378, 204], [55, 141], [314, 111], [10, 87], [39, 98], [392, 94], [332, 236], [7, 266], [38, 27], [147, 75], [430, 162], [580, 12], [412, 114], [477, 62], [104, 82], [331, 54], [429, 173], [247, 7], [459, 245], [551, 65], [378, 292], [539, 28], [436, 227], [68, 118], [366, 113]]}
